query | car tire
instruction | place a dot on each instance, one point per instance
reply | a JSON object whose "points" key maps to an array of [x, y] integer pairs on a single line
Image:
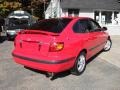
{"points": [[9, 39], [108, 45], [80, 64]]}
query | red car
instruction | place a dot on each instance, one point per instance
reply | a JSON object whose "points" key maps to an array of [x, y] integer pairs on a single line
{"points": [[57, 45]]}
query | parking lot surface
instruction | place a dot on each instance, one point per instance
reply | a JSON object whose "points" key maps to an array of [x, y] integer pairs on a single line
{"points": [[102, 73]]}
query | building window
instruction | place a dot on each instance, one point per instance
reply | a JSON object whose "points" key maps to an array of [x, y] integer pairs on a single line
{"points": [[96, 16], [73, 12], [106, 17], [61, 0], [118, 1], [116, 13]]}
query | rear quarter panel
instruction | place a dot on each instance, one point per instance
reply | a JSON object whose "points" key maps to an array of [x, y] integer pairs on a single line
{"points": [[72, 43]]}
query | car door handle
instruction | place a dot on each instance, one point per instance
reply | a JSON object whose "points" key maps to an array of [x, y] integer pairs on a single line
{"points": [[94, 37], [91, 38]]}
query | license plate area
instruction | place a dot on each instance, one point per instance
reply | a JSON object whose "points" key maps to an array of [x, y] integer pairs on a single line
{"points": [[31, 46]]}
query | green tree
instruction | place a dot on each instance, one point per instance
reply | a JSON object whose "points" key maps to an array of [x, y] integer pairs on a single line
{"points": [[36, 7], [7, 6]]}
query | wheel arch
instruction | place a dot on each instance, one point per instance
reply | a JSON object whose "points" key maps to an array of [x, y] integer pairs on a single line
{"points": [[109, 37], [82, 50], [74, 69]]}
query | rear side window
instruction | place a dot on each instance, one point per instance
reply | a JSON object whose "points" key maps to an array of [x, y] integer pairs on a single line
{"points": [[94, 25], [51, 25], [81, 26]]}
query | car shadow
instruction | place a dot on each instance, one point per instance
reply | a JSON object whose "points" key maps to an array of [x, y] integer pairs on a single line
{"points": [[61, 74], [56, 76], [2, 39], [93, 58]]}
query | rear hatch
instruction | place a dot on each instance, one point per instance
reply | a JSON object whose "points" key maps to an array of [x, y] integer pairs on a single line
{"points": [[36, 41]]}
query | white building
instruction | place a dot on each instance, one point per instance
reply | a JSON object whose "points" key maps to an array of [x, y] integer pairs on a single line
{"points": [[106, 12], [103, 11]]}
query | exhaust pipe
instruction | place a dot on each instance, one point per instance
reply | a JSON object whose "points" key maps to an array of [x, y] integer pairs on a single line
{"points": [[51, 75]]}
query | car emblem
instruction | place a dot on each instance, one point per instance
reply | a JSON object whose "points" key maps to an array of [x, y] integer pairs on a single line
{"points": [[20, 41], [28, 39]]}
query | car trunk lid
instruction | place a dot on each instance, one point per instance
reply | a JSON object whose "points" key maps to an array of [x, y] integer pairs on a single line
{"points": [[35, 42]]}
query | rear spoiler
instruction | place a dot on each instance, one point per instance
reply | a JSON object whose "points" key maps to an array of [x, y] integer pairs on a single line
{"points": [[38, 32]]}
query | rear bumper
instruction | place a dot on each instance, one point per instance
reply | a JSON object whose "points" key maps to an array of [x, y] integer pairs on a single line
{"points": [[45, 65]]}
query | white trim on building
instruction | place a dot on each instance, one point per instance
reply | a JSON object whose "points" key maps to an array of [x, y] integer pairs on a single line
{"points": [[54, 10], [104, 17]]}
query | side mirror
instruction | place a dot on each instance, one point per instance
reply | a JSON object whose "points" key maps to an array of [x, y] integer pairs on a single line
{"points": [[104, 28]]}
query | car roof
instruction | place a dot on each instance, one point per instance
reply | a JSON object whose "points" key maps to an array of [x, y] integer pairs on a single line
{"points": [[72, 18], [68, 18], [77, 17]]}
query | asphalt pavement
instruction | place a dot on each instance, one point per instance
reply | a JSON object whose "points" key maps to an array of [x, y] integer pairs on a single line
{"points": [[102, 73]]}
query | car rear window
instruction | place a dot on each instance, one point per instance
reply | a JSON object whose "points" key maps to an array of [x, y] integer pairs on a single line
{"points": [[51, 25]]}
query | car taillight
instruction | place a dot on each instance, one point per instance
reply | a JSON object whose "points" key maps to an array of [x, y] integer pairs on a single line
{"points": [[56, 46]]}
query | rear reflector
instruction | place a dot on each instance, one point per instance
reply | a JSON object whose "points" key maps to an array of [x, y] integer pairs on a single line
{"points": [[56, 46]]}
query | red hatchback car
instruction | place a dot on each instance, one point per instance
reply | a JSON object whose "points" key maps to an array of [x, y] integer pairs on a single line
{"points": [[56, 45]]}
